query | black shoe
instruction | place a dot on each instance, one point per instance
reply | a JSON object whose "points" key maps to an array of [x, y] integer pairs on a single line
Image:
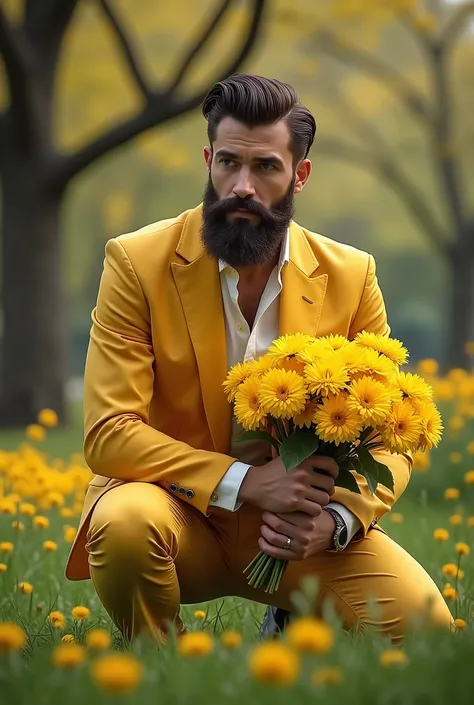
{"points": [[274, 621]]}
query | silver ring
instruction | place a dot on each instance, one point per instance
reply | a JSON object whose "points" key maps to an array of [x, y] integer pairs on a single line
{"points": [[288, 543]]}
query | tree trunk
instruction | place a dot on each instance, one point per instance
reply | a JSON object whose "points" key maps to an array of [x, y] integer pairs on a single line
{"points": [[462, 302], [33, 353]]}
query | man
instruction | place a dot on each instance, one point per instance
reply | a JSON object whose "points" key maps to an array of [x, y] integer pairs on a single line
{"points": [[178, 508]]}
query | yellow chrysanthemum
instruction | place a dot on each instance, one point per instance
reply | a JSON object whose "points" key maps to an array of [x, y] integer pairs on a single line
{"points": [[462, 548], [261, 365], [306, 416], [413, 387], [56, 619], [431, 423], [248, 408], [369, 363], [371, 399], [390, 347], [315, 350], [286, 351], [283, 393], [402, 430], [236, 375], [326, 376], [80, 612], [336, 341], [336, 422], [440, 535]]}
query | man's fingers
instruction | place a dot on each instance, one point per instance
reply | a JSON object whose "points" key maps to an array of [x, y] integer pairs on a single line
{"points": [[283, 553], [323, 462]]}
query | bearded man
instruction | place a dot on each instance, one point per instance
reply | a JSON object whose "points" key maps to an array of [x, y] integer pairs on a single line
{"points": [[177, 508]]}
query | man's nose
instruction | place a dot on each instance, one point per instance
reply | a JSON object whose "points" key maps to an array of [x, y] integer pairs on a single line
{"points": [[244, 187]]}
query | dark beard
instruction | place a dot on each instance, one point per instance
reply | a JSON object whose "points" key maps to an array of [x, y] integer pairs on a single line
{"points": [[239, 243]]}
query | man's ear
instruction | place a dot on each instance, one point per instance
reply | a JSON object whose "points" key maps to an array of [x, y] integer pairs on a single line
{"points": [[208, 157], [303, 170]]}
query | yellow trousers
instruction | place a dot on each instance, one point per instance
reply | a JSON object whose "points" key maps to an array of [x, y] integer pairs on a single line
{"points": [[149, 552]]}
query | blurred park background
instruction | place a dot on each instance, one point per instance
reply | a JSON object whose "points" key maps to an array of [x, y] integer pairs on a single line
{"points": [[101, 133]]}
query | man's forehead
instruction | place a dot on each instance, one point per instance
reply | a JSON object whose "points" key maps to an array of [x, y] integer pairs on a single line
{"points": [[233, 134]]}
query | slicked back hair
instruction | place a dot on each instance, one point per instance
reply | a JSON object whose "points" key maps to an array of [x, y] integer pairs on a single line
{"points": [[255, 100]]}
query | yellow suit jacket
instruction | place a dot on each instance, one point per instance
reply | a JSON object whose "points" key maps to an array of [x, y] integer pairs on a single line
{"points": [[154, 407]]}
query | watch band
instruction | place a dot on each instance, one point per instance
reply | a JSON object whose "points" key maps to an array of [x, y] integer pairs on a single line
{"points": [[340, 533]]}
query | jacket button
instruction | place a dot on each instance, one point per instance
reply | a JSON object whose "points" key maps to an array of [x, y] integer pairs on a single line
{"points": [[214, 497], [173, 487], [182, 490], [189, 494]]}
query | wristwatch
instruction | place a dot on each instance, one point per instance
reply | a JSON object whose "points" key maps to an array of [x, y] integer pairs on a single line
{"points": [[340, 534]]}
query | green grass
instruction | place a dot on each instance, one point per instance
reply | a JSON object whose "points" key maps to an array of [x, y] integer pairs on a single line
{"points": [[439, 668]]}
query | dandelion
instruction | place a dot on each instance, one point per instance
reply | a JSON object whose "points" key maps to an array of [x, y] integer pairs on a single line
{"points": [[66, 512], [336, 422], [455, 519], [460, 623], [50, 546], [80, 612], [421, 461], [48, 418], [98, 639], [3, 567], [200, 615], [68, 655], [470, 521], [451, 493], [12, 637], [393, 657], [427, 368], [452, 571], [68, 639], [27, 509], [470, 448], [469, 477], [327, 675], [41, 522], [117, 673], [69, 533], [282, 393], [450, 593], [402, 429], [274, 662], [326, 376], [6, 546], [455, 458], [440, 535], [56, 619], [35, 432], [231, 639], [18, 525], [456, 423], [310, 634], [462, 548], [25, 588], [390, 347], [248, 409], [195, 644], [396, 518]]}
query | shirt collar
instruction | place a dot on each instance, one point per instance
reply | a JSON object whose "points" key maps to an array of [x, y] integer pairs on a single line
{"points": [[284, 255]]}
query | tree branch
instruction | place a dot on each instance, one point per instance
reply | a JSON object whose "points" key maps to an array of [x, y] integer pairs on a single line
{"points": [[456, 24], [125, 44], [162, 107], [353, 56], [199, 45], [389, 171]]}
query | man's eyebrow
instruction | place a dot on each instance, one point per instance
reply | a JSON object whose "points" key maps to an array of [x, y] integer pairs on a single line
{"points": [[228, 154]]}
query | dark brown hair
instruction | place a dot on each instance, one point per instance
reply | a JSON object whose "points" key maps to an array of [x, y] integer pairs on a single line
{"points": [[255, 100]]}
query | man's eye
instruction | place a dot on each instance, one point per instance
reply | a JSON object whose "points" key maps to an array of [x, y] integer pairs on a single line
{"points": [[267, 166], [226, 162]]}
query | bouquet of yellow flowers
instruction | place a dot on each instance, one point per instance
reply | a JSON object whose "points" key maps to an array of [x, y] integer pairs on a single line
{"points": [[334, 397]]}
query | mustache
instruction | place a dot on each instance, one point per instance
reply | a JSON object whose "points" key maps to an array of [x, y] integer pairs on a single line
{"points": [[227, 205]]}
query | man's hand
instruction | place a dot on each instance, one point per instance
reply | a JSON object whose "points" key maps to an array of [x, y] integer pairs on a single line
{"points": [[309, 534], [307, 488]]}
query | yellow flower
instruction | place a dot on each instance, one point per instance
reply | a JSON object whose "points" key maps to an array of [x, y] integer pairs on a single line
{"points": [[261, 365], [456, 423], [195, 644], [68, 639], [69, 533], [431, 424], [50, 546], [462, 548], [7, 507], [248, 408], [41, 522], [371, 399], [401, 432], [306, 416], [336, 341], [470, 447], [469, 477], [6, 546], [18, 525], [282, 393], [274, 662], [327, 675], [35, 432], [25, 588], [421, 461], [470, 521], [12, 637], [452, 571], [335, 421], [455, 519], [27, 509], [200, 615], [98, 639], [80, 612], [451, 493], [68, 655], [397, 518], [66, 512], [117, 673], [428, 367], [56, 619], [390, 347], [315, 350], [231, 639], [236, 375], [440, 535], [287, 350], [3, 567], [48, 417], [326, 376], [310, 634], [413, 387], [450, 593], [455, 458], [460, 623], [393, 657], [372, 364]]}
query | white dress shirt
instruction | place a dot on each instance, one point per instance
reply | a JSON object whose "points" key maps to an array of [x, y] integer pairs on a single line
{"points": [[242, 345]]}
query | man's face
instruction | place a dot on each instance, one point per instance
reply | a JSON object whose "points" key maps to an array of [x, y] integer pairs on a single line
{"points": [[248, 203]]}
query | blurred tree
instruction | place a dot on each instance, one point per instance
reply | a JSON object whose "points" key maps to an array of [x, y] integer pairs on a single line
{"points": [[35, 174], [436, 29]]}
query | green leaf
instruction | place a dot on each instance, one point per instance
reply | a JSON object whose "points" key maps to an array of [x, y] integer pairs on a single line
{"points": [[385, 476], [373, 471], [297, 447], [347, 480], [258, 435]]}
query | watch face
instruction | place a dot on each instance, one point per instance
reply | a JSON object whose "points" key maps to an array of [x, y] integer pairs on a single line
{"points": [[343, 537]]}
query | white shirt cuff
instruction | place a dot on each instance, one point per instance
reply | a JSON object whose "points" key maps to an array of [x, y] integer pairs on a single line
{"points": [[226, 493], [352, 522]]}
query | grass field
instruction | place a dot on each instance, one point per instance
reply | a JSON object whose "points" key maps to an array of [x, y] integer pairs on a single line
{"points": [[49, 478]]}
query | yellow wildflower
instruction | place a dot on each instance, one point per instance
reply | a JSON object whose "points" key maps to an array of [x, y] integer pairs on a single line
{"points": [[195, 644], [68, 655], [48, 417], [390, 347], [451, 493], [3, 567], [469, 477], [6, 546], [66, 512], [286, 352], [327, 675], [470, 447], [117, 673], [35, 432], [326, 376], [41, 522], [50, 546], [12, 637], [470, 521], [310, 634], [80, 612], [428, 367], [440, 535], [450, 593], [282, 393], [336, 422], [56, 619], [456, 423], [200, 615], [25, 588], [452, 571], [27, 509], [393, 657], [369, 363], [231, 639], [248, 408], [69, 533], [396, 517], [68, 638], [431, 425], [421, 461], [18, 525], [413, 387], [460, 623], [455, 519], [274, 662], [98, 639], [462, 548], [371, 399], [455, 458], [236, 375]]}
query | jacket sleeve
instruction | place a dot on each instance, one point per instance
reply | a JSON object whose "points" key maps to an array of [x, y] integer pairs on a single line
{"points": [[367, 507], [118, 385]]}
